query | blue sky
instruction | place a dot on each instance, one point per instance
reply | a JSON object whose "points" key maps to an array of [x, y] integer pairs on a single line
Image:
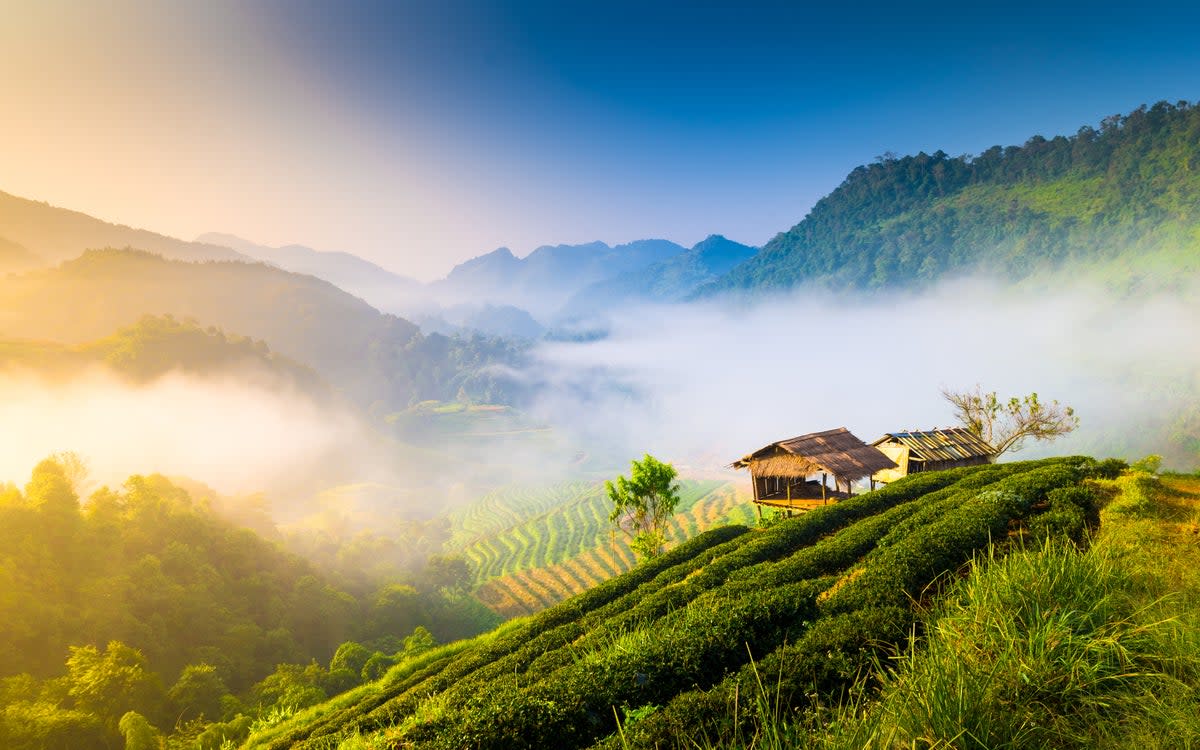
{"points": [[420, 134]]}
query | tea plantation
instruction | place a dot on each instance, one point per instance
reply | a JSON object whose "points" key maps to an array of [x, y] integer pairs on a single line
{"points": [[667, 654]]}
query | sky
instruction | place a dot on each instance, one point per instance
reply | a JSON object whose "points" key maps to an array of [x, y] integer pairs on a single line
{"points": [[420, 134]]}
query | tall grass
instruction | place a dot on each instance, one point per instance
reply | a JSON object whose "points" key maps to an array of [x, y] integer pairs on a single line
{"points": [[1050, 646]]}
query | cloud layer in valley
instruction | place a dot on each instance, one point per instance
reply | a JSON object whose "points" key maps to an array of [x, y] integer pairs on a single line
{"points": [[704, 384]]}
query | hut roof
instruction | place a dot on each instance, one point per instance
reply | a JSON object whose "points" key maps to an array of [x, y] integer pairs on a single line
{"points": [[950, 444], [838, 452]]}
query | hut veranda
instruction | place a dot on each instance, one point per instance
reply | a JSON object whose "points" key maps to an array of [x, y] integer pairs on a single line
{"points": [[780, 472], [784, 475]]}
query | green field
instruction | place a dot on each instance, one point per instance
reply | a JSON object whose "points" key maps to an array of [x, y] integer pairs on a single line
{"points": [[666, 648], [533, 547]]}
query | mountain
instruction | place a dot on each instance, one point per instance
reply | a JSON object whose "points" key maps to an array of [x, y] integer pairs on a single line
{"points": [[1122, 201], [488, 319], [15, 257], [370, 356], [44, 234], [545, 279], [380, 287], [155, 346], [668, 281]]}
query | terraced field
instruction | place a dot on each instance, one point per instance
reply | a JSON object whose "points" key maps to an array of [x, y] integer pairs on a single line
{"points": [[533, 547], [677, 645]]}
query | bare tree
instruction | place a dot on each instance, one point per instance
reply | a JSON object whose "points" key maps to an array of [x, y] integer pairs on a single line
{"points": [[1006, 424]]}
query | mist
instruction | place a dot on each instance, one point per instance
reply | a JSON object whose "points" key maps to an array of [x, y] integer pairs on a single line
{"points": [[704, 384], [236, 435]]}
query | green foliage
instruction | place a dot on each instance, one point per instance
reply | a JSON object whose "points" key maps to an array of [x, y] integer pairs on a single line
{"points": [[139, 734], [113, 682], [197, 693], [643, 503], [1147, 465], [814, 600], [1119, 194], [1005, 425]]}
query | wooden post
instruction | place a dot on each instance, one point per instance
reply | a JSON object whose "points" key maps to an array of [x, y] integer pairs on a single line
{"points": [[823, 498]]}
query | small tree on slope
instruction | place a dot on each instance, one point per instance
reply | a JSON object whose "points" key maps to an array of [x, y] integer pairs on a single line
{"points": [[1006, 424], [644, 504]]}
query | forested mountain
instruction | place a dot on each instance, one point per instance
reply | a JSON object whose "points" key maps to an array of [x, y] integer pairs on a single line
{"points": [[547, 277], [43, 234], [156, 345], [1122, 200], [380, 287], [143, 599], [668, 281], [371, 357]]}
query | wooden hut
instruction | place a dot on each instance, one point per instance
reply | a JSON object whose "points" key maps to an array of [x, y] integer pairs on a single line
{"points": [[931, 450], [784, 473]]}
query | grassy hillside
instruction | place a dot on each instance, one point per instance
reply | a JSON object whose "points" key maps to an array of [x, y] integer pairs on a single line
{"points": [[1123, 200], [666, 648], [532, 548], [1054, 645], [371, 357]]}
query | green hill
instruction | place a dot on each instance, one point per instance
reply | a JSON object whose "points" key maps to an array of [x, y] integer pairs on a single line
{"points": [[667, 648], [1122, 200], [531, 548], [372, 358], [155, 346]]}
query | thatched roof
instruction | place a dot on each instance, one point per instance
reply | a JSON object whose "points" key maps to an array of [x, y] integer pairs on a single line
{"points": [[950, 444], [837, 452]]}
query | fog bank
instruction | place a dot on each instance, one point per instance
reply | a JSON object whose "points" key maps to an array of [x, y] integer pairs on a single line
{"points": [[232, 434], [704, 384]]}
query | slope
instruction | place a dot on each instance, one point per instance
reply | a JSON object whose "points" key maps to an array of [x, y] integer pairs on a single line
{"points": [[531, 548], [371, 357], [380, 287], [157, 345], [1122, 202], [54, 234], [671, 642]]}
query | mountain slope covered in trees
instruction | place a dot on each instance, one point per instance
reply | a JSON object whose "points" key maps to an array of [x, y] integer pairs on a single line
{"points": [[1122, 200], [144, 599], [370, 356]]}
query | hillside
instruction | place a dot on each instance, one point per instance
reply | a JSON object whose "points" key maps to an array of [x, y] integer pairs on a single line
{"points": [[1121, 202], [530, 548], [667, 281], [380, 287], [370, 356], [33, 233], [670, 644], [155, 346], [144, 599]]}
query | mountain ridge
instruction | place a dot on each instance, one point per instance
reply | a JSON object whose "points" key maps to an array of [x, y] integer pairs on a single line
{"points": [[1125, 194]]}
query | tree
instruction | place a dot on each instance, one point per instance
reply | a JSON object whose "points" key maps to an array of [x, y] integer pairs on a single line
{"points": [[1005, 425], [197, 693], [644, 503]]}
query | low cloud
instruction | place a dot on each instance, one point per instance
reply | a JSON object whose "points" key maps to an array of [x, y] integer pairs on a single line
{"points": [[232, 434], [704, 384]]}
